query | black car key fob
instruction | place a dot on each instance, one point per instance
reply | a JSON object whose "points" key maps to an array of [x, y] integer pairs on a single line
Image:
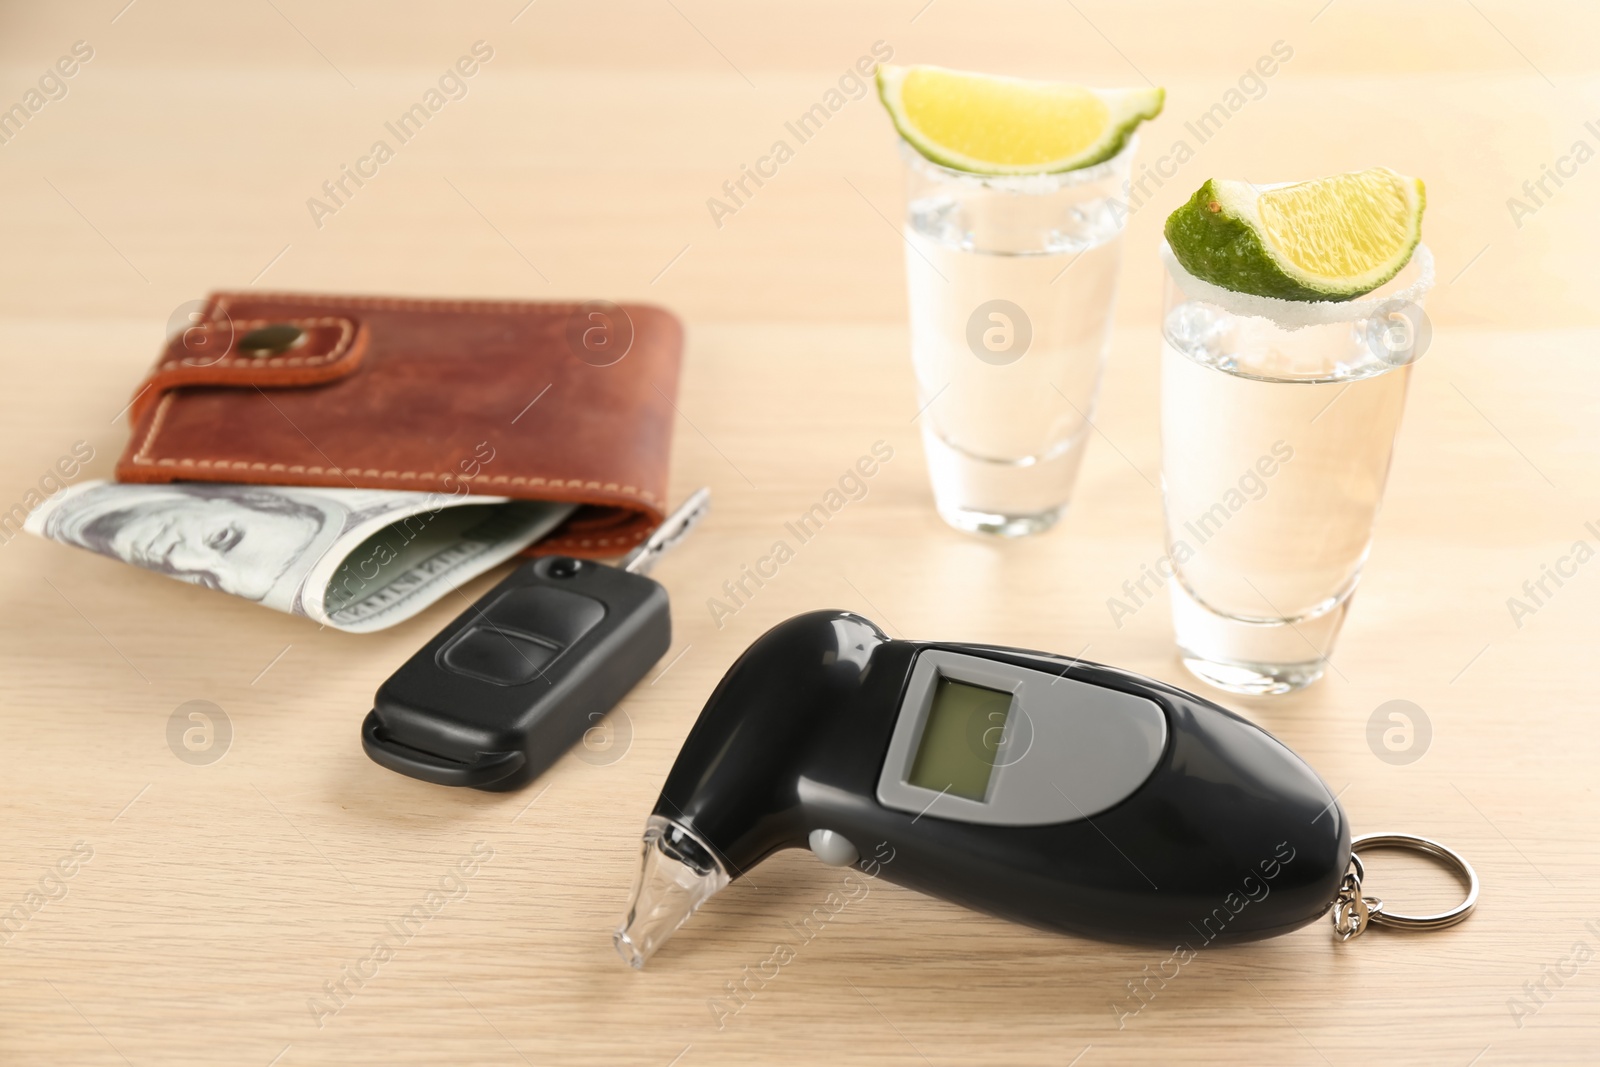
{"points": [[516, 680]]}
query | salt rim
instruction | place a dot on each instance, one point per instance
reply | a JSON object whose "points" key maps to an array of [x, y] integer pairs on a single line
{"points": [[1034, 184], [1298, 314]]}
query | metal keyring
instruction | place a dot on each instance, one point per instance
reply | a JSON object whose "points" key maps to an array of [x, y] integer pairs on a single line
{"points": [[1412, 842]]}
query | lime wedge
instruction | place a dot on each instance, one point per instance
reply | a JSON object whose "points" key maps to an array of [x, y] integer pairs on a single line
{"points": [[1328, 239], [993, 125]]}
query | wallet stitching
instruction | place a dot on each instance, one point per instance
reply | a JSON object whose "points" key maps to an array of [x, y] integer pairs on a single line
{"points": [[589, 542], [346, 332], [142, 458], [380, 303], [143, 455]]}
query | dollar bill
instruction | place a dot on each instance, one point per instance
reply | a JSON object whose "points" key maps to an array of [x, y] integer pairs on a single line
{"points": [[358, 560]]}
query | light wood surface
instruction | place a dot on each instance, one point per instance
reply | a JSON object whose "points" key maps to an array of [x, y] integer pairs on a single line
{"points": [[220, 899]]}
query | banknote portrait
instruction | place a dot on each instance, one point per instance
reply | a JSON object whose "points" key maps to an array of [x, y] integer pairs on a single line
{"points": [[355, 559], [238, 539]]}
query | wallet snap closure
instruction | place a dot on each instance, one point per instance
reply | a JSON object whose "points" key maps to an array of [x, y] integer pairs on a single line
{"points": [[271, 340], [256, 353]]}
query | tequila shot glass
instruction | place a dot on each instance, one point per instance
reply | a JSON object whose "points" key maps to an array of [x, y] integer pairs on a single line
{"points": [[1278, 421], [1011, 284]]}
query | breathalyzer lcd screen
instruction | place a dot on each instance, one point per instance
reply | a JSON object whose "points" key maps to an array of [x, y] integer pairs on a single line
{"points": [[960, 739]]}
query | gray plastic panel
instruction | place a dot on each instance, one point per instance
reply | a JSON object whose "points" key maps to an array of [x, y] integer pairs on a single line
{"points": [[1069, 751]]}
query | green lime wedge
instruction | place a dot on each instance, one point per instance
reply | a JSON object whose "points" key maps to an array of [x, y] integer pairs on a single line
{"points": [[1327, 239], [988, 124]]}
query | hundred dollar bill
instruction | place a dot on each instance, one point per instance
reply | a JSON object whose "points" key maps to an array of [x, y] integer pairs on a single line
{"points": [[358, 560]]}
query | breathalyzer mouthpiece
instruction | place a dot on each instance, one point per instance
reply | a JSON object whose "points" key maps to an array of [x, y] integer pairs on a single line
{"points": [[677, 873]]}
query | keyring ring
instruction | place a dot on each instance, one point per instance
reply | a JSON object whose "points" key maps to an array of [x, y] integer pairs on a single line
{"points": [[1453, 862]]}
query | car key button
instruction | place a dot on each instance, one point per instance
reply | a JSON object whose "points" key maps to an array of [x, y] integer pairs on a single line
{"points": [[496, 655], [559, 615]]}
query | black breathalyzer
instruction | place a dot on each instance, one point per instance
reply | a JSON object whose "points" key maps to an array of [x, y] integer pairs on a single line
{"points": [[1043, 789]]}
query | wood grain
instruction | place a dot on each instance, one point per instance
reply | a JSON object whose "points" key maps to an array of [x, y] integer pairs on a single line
{"points": [[221, 901]]}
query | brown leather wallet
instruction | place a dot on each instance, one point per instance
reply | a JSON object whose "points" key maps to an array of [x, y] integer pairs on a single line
{"points": [[542, 401]]}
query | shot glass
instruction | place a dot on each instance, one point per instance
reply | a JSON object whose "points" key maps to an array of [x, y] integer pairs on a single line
{"points": [[1278, 421], [1011, 283]]}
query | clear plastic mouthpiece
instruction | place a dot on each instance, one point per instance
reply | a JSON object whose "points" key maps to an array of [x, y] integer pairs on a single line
{"points": [[677, 874]]}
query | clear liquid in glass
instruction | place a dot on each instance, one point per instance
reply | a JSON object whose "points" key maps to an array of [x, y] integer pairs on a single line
{"points": [[1276, 446], [1011, 285]]}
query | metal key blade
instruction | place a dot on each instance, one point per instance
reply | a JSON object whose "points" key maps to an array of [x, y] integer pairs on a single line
{"points": [[672, 530]]}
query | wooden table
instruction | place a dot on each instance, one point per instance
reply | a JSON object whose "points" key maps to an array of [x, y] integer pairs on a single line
{"points": [[209, 908]]}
